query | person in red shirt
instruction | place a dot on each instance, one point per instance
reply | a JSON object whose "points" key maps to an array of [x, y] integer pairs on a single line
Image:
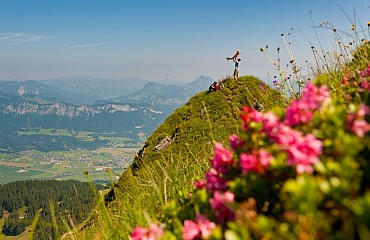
{"points": [[214, 87], [235, 57]]}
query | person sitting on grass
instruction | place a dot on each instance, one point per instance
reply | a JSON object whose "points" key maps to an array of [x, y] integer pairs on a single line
{"points": [[214, 87], [236, 69]]}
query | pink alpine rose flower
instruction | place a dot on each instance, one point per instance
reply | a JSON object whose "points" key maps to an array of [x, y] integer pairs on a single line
{"points": [[215, 182], [365, 72], [247, 162], [360, 127], [236, 142], [313, 95], [357, 123], [301, 110], [200, 184], [190, 230], [220, 204], [270, 122], [222, 158], [250, 115], [323, 93], [255, 162], [365, 85], [363, 110], [285, 135], [304, 153], [154, 232], [139, 233], [202, 227], [205, 226], [264, 158], [298, 112]]}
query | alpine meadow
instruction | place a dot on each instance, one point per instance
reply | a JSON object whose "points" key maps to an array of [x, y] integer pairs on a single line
{"points": [[166, 120]]}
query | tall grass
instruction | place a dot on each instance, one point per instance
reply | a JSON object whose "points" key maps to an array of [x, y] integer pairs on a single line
{"points": [[347, 49]]}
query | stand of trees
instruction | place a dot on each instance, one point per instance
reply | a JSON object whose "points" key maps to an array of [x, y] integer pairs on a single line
{"points": [[14, 226], [69, 199]]}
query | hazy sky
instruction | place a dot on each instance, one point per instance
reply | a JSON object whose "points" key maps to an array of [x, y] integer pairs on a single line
{"points": [[157, 39]]}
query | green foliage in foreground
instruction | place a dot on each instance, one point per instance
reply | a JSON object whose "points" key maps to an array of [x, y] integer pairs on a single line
{"points": [[158, 177]]}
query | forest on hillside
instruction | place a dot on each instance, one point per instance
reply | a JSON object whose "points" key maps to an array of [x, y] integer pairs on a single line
{"points": [[56, 204]]}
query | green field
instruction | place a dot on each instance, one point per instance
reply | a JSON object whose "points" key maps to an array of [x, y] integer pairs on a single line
{"points": [[10, 174], [48, 163]]}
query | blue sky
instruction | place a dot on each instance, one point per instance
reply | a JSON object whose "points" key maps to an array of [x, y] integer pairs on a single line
{"points": [[155, 40]]}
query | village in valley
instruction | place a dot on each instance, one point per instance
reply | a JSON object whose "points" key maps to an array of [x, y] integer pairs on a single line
{"points": [[104, 164]]}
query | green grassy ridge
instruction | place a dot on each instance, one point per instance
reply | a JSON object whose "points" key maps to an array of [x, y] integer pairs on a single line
{"points": [[160, 176], [206, 117]]}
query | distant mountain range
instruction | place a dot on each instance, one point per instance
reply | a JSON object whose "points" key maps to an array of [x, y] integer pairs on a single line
{"points": [[90, 90], [30, 112], [160, 94], [36, 88], [97, 88], [32, 105]]}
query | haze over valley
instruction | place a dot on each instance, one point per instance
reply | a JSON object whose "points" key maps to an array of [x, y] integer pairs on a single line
{"points": [[62, 128]]}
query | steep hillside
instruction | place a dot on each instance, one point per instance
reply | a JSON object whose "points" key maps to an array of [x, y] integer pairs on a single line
{"points": [[204, 118], [178, 151]]}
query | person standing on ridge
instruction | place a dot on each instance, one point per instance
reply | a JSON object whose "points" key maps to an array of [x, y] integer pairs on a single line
{"points": [[236, 69], [236, 61]]}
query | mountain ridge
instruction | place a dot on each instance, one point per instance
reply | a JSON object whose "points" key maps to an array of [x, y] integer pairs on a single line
{"points": [[178, 151], [28, 106], [157, 93], [98, 88], [92, 90], [37, 88]]}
